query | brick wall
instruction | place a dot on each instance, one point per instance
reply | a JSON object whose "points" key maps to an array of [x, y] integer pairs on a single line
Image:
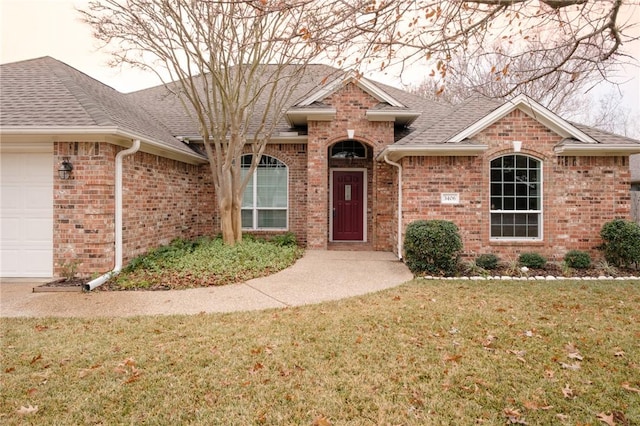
{"points": [[163, 199], [351, 104], [579, 193]]}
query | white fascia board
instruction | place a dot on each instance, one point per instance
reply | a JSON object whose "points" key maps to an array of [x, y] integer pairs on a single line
{"points": [[364, 84], [406, 117], [579, 149], [396, 152], [534, 110], [152, 146], [302, 116]]}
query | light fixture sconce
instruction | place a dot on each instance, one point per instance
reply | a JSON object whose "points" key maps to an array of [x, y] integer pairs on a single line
{"points": [[65, 169], [351, 133], [517, 145]]}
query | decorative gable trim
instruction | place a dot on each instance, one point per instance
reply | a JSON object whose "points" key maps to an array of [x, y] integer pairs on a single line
{"points": [[533, 110], [361, 82]]}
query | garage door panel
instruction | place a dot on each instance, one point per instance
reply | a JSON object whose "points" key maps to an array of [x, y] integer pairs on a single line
{"points": [[26, 214]]}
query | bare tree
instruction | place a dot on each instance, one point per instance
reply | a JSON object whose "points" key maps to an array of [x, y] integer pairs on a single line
{"points": [[214, 50], [557, 37], [561, 92], [233, 64]]}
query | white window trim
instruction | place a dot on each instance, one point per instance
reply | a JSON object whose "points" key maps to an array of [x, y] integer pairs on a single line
{"points": [[364, 204], [540, 211], [255, 209]]}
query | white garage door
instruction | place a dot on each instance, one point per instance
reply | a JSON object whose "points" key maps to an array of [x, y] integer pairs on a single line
{"points": [[26, 214]]}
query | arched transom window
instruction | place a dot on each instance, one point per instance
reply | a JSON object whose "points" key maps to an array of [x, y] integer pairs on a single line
{"points": [[265, 200], [516, 197], [348, 149]]}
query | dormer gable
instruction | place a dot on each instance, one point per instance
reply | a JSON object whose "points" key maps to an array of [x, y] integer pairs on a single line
{"points": [[312, 107]]}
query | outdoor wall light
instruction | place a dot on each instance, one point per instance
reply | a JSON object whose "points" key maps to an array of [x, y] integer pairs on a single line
{"points": [[65, 169]]}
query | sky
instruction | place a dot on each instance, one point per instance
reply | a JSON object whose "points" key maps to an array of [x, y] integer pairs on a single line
{"points": [[34, 28]]}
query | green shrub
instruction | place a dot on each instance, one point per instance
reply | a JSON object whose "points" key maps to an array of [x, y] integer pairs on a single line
{"points": [[621, 242], [532, 260], [577, 259], [285, 240], [432, 246], [487, 261]]}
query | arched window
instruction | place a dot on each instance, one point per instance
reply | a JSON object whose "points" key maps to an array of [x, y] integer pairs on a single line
{"points": [[516, 197], [348, 149], [265, 200]]}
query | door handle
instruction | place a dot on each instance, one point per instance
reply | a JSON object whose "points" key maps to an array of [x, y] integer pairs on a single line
{"points": [[334, 212]]}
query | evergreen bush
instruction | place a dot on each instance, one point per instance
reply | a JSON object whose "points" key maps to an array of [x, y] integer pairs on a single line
{"points": [[532, 260], [487, 261], [432, 246], [621, 242], [577, 259]]}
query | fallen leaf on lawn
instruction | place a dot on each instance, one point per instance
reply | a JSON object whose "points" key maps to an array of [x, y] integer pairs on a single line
{"points": [[41, 327], [257, 367], [574, 367], [573, 352], [452, 358], [549, 374], [24, 411], [562, 417], [567, 392], [519, 355], [534, 406], [627, 386], [359, 340], [36, 359], [489, 341], [608, 419], [514, 416], [130, 362], [321, 421], [31, 391], [619, 353]]}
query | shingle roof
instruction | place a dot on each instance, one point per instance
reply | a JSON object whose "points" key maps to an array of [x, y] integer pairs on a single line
{"points": [[45, 92], [164, 104]]}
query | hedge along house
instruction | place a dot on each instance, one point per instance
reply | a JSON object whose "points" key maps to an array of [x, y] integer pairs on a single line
{"points": [[351, 164]]}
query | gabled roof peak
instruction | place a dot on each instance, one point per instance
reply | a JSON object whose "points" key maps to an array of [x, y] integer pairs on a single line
{"points": [[533, 109], [354, 78]]}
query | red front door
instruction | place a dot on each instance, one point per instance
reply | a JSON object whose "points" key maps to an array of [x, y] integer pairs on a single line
{"points": [[348, 206]]}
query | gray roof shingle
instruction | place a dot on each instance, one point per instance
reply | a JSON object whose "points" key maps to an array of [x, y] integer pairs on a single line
{"points": [[45, 92]]}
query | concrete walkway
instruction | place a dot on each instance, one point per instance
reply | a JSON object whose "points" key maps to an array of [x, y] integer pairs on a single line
{"points": [[319, 276]]}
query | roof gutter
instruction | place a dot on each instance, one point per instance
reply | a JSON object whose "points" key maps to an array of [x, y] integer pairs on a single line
{"points": [[386, 159], [118, 219], [103, 131], [597, 149], [396, 152]]}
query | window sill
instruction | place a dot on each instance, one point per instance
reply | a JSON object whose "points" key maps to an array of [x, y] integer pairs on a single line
{"points": [[516, 241]]}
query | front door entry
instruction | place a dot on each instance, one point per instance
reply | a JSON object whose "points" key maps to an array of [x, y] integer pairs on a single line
{"points": [[348, 205]]}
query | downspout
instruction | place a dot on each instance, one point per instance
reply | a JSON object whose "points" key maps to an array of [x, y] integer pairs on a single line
{"points": [[118, 219], [386, 159]]}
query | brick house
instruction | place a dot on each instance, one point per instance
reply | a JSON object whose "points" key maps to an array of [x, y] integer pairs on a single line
{"points": [[353, 162]]}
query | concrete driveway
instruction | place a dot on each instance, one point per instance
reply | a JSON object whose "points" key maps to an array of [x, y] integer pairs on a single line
{"points": [[319, 276]]}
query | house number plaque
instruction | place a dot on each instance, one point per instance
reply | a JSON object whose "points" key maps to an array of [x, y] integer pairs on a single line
{"points": [[449, 198]]}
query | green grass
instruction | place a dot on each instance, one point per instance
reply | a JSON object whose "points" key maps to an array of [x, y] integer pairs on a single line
{"points": [[428, 352], [204, 262]]}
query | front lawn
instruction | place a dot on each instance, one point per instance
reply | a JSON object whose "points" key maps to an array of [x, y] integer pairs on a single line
{"points": [[205, 262], [428, 352]]}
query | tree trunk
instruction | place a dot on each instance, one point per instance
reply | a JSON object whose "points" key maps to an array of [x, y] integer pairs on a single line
{"points": [[226, 219]]}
